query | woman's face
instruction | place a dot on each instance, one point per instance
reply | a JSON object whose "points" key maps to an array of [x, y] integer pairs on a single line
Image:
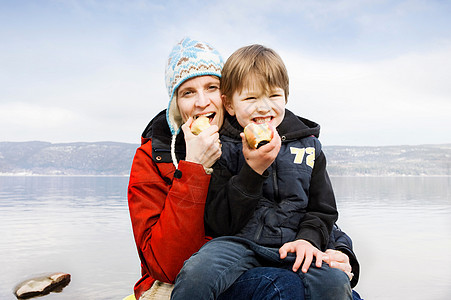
{"points": [[201, 96]]}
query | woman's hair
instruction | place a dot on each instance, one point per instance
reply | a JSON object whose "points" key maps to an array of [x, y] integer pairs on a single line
{"points": [[253, 65]]}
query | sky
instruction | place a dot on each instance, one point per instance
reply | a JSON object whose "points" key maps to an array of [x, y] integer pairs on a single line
{"points": [[371, 73]]}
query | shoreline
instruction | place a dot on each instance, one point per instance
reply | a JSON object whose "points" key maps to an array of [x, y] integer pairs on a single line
{"points": [[127, 175]]}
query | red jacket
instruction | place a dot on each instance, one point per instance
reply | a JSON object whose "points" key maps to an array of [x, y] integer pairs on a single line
{"points": [[167, 214]]}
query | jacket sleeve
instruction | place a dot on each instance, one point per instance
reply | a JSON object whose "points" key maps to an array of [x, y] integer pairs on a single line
{"points": [[167, 218], [322, 212], [340, 241], [231, 199]]}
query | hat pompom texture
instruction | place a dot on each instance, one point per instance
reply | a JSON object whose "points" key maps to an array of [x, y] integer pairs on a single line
{"points": [[189, 58]]}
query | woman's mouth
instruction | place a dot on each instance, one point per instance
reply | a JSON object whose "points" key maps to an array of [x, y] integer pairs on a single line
{"points": [[210, 116]]}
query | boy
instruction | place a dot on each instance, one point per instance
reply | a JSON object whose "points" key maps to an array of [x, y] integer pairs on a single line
{"points": [[270, 206]]}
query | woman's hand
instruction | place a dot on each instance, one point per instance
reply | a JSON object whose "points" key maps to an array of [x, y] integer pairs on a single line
{"points": [[205, 148], [304, 252], [339, 260]]}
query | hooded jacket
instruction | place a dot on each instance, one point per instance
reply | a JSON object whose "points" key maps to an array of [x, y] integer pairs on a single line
{"points": [[166, 206], [292, 200]]}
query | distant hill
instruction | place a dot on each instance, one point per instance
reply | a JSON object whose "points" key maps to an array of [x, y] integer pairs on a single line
{"points": [[420, 160], [43, 158], [111, 158]]}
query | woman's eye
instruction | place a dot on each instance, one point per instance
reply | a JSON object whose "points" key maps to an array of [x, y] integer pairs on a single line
{"points": [[213, 87]]}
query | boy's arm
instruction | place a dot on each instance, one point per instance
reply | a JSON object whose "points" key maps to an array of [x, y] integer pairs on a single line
{"points": [[231, 199], [322, 212]]}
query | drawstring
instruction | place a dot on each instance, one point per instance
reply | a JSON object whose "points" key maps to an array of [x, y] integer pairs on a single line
{"points": [[174, 158]]}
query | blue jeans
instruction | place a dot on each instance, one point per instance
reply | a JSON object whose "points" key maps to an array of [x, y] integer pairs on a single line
{"points": [[265, 283], [220, 262]]}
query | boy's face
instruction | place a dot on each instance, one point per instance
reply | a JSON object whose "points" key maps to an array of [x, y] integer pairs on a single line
{"points": [[254, 105]]}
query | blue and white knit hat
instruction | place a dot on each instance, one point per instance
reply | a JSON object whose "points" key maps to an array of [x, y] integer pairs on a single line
{"points": [[188, 59]]}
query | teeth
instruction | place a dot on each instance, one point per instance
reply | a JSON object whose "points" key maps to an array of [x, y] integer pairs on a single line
{"points": [[208, 115], [262, 120]]}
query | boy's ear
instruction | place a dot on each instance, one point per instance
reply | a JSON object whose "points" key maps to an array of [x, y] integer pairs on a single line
{"points": [[228, 105]]}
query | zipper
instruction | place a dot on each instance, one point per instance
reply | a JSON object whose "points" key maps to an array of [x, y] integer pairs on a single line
{"points": [[276, 199], [260, 227], [274, 180]]}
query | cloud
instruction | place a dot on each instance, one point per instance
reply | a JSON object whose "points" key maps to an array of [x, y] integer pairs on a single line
{"points": [[395, 98], [360, 66], [32, 121]]}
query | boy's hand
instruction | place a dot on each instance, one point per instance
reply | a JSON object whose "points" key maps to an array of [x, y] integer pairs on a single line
{"points": [[304, 252], [205, 148], [260, 159]]}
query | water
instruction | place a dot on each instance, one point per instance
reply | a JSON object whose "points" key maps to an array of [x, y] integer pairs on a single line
{"points": [[78, 225], [401, 229]]}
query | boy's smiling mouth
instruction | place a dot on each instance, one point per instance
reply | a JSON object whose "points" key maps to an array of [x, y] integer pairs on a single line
{"points": [[261, 120]]}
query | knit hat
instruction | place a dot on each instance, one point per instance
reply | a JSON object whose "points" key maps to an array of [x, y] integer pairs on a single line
{"points": [[188, 59]]}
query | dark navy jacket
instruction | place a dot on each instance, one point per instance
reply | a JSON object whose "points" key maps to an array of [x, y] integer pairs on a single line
{"points": [[292, 200]]}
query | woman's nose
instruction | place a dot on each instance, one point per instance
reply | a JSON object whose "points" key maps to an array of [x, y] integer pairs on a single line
{"points": [[202, 99]]}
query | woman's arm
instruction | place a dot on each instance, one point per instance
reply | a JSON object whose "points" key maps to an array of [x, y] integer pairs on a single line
{"points": [[343, 256], [167, 218]]}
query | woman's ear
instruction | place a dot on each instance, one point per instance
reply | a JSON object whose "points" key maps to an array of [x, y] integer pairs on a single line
{"points": [[228, 105]]}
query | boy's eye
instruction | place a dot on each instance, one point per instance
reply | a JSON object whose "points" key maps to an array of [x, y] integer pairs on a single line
{"points": [[250, 98], [275, 95]]}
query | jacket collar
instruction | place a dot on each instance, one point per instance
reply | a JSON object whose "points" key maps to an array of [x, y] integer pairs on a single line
{"points": [[158, 131]]}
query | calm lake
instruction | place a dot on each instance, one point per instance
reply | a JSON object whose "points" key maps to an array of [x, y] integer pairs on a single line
{"points": [[401, 228]]}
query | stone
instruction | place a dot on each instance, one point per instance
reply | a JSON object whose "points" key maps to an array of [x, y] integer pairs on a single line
{"points": [[42, 285]]}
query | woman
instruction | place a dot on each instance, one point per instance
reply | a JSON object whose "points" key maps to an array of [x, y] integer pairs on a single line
{"points": [[170, 177]]}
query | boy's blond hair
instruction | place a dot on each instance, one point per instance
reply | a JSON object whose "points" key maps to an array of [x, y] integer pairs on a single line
{"points": [[253, 65]]}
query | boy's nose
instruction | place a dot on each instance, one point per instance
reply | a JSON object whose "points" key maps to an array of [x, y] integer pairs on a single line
{"points": [[263, 105]]}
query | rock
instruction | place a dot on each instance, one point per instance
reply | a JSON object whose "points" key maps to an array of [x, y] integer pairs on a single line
{"points": [[42, 285]]}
